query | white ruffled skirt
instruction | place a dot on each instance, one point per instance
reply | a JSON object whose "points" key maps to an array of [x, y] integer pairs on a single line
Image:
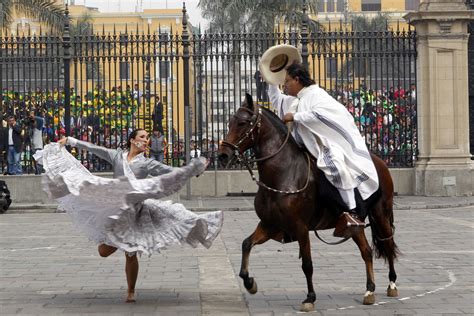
{"points": [[126, 213]]}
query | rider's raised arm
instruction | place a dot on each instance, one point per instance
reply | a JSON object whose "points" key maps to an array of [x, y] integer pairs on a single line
{"points": [[279, 101]]}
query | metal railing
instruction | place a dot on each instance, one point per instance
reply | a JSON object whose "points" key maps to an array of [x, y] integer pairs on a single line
{"points": [[189, 85]]}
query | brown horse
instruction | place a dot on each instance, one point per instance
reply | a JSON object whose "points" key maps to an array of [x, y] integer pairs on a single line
{"points": [[294, 197]]}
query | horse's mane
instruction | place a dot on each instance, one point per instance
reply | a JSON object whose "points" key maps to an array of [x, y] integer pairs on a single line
{"points": [[281, 127], [276, 121]]}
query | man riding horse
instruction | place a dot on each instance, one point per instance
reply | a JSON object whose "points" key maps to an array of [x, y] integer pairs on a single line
{"points": [[325, 127]]}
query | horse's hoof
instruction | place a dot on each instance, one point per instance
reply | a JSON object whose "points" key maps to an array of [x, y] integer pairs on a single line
{"points": [[369, 298], [254, 287], [307, 307], [392, 292]]}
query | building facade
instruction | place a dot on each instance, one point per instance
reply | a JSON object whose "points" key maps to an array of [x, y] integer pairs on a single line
{"points": [[141, 51]]}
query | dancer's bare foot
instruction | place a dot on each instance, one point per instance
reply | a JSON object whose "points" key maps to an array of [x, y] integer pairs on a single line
{"points": [[131, 297]]}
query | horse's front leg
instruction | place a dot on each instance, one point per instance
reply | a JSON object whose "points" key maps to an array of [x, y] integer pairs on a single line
{"points": [[259, 236], [307, 265], [366, 252]]}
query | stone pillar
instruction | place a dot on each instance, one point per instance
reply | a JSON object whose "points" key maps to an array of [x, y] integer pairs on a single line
{"points": [[444, 166]]}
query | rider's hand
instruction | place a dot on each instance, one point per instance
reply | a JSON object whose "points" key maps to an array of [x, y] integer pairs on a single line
{"points": [[62, 141], [288, 117]]}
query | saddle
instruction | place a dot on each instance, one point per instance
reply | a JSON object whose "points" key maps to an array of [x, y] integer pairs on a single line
{"points": [[348, 223]]}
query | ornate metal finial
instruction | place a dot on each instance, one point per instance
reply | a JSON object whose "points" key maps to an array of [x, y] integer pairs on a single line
{"points": [[305, 7], [66, 21], [185, 15], [304, 35]]}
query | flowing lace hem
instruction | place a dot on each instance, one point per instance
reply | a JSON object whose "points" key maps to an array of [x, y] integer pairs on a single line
{"points": [[159, 225]]}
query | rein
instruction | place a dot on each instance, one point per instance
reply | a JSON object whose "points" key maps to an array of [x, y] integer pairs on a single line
{"points": [[260, 183], [256, 122], [347, 238], [331, 243]]}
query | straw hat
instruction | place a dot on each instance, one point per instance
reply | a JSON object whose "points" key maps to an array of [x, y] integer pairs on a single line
{"points": [[275, 60]]}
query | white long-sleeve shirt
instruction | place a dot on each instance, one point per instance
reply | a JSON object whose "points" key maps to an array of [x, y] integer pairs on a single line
{"points": [[329, 133]]}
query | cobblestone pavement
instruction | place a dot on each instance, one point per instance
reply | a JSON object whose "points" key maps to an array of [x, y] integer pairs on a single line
{"points": [[47, 267]]}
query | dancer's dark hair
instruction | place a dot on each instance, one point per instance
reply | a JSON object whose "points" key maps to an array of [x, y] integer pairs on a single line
{"points": [[132, 135]]}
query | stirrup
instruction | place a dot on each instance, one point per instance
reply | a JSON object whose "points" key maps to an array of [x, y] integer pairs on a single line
{"points": [[353, 220], [347, 225]]}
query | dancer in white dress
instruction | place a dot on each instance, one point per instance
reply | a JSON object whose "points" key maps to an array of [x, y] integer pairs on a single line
{"points": [[124, 212]]}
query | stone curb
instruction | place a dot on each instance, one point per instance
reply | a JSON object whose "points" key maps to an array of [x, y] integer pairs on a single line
{"points": [[52, 208], [433, 206]]}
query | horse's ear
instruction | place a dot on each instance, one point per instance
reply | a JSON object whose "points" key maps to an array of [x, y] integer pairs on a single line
{"points": [[249, 102]]}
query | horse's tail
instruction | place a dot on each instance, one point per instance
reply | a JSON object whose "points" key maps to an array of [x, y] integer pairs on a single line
{"points": [[381, 215], [383, 231]]}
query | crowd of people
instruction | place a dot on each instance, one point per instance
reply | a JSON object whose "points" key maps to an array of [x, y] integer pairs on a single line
{"points": [[99, 116], [386, 119], [98, 109]]}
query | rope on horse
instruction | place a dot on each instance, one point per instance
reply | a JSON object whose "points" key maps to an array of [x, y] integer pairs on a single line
{"points": [[331, 243], [287, 192]]}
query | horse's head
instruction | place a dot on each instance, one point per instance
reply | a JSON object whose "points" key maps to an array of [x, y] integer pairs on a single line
{"points": [[242, 127]]}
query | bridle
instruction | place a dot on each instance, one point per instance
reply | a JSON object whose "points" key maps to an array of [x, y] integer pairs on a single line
{"points": [[255, 123]]}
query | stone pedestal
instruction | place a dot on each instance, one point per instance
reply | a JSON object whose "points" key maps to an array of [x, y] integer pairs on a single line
{"points": [[444, 166]]}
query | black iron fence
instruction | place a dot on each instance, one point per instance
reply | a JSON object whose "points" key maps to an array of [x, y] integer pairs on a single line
{"points": [[99, 87]]}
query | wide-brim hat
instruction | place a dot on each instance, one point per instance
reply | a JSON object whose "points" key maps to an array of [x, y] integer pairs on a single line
{"points": [[276, 60]]}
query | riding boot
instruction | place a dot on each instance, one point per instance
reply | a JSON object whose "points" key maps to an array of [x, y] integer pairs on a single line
{"points": [[348, 225]]}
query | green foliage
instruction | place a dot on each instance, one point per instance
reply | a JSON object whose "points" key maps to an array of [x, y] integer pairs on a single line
{"points": [[361, 23], [255, 15], [82, 26], [82, 33], [361, 65], [46, 11]]}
